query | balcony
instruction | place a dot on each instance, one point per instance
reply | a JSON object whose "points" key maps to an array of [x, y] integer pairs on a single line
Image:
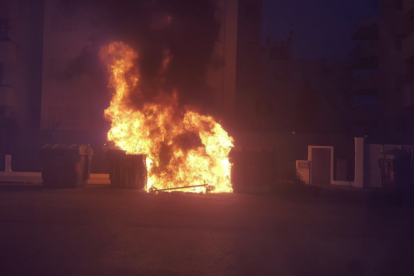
{"points": [[366, 29], [408, 95], [408, 48], [6, 96], [365, 84], [408, 8], [365, 55]]}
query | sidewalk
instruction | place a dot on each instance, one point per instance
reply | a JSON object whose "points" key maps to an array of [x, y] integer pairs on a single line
{"points": [[36, 177]]}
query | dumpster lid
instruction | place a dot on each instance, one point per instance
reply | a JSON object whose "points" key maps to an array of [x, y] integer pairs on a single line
{"points": [[393, 154], [83, 149]]}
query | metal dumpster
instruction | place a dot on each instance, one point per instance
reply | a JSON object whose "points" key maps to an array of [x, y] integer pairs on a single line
{"points": [[66, 165], [253, 169], [395, 168], [127, 171]]}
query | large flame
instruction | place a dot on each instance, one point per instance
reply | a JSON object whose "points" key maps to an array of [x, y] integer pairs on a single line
{"points": [[164, 132]]}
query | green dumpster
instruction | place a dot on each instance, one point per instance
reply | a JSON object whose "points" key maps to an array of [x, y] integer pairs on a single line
{"points": [[66, 165]]}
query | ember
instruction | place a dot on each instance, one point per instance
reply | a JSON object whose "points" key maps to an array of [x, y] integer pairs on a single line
{"points": [[183, 148]]}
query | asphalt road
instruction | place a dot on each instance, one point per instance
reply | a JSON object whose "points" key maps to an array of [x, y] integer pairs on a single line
{"points": [[102, 231]]}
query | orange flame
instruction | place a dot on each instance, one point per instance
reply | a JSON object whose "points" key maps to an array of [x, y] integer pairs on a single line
{"points": [[160, 129]]}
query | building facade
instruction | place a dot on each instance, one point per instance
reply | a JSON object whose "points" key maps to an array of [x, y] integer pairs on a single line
{"points": [[364, 91], [248, 60], [20, 56], [248, 46], [222, 76], [297, 95], [39, 83], [75, 101], [69, 100], [384, 73]]}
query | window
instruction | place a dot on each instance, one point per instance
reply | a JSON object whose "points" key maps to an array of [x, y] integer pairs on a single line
{"points": [[4, 8], [64, 117], [401, 124], [65, 23], [61, 69], [1, 73], [4, 29]]}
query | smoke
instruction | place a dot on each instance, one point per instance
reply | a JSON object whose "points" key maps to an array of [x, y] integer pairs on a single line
{"points": [[186, 30]]}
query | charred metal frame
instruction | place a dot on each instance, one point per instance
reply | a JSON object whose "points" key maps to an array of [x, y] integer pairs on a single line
{"points": [[207, 186]]}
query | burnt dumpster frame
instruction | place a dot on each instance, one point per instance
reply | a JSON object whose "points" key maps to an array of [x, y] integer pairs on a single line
{"points": [[127, 170], [66, 165]]}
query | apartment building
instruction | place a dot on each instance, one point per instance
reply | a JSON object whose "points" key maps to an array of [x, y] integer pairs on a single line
{"points": [[405, 81], [75, 101], [297, 95], [41, 39], [69, 100], [248, 45], [364, 90], [20, 57], [382, 88]]}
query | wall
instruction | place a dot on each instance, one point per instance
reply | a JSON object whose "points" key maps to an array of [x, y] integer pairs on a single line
{"points": [[221, 75], [22, 62], [283, 80], [75, 101], [69, 100], [20, 52], [391, 67], [292, 147], [248, 46]]}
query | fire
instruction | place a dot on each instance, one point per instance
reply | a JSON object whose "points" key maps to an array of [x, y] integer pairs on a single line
{"points": [[183, 148]]}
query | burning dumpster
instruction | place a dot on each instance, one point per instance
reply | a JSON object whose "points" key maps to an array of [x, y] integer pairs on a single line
{"points": [[127, 170], [183, 148], [65, 165], [253, 169]]}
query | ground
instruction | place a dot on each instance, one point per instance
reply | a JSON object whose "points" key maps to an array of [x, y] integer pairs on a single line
{"points": [[102, 231]]}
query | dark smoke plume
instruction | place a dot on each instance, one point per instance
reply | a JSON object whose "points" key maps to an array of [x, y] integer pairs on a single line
{"points": [[187, 29]]}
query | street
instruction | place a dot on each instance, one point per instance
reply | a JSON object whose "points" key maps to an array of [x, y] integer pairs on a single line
{"points": [[102, 231]]}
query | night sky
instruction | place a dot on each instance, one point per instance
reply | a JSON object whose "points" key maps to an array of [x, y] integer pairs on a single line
{"points": [[321, 27]]}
